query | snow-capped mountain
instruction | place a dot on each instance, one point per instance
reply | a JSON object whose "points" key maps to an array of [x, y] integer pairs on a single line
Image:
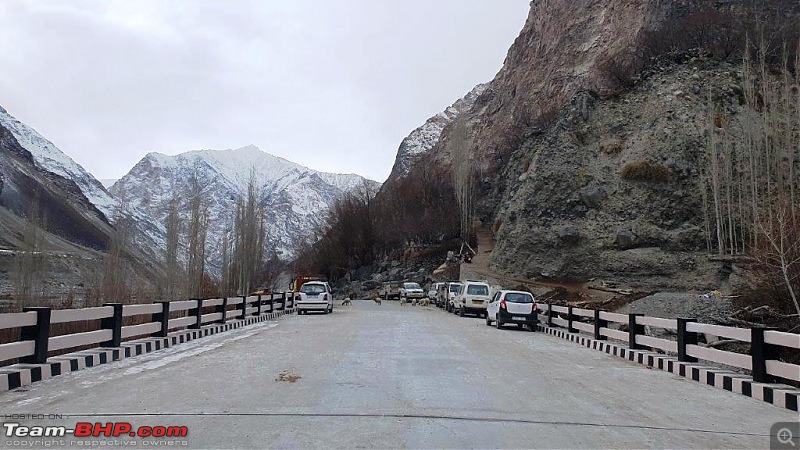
{"points": [[147, 234], [423, 139], [78, 215], [48, 157], [295, 201]]}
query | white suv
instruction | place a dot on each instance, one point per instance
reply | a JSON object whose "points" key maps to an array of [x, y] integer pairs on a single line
{"points": [[315, 296], [411, 292], [473, 297], [513, 307]]}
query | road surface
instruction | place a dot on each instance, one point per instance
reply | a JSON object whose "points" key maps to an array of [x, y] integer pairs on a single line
{"points": [[370, 376]]}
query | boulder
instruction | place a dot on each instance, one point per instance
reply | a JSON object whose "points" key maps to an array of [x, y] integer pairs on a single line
{"points": [[625, 239], [593, 198], [569, 235]]}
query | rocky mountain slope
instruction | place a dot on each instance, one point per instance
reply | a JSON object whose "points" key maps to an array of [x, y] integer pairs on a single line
{"points": [[295, 201], [423, 139], [550, 137], [74, 207]]}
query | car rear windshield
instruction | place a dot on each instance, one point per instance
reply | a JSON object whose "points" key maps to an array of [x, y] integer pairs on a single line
{"points": [[477, 289], [412, 286], [312, 289], [454, 287], [514, 297]]}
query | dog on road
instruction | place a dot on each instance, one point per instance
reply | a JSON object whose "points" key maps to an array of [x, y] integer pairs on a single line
{"points": [[346, 301], [377, 300]]}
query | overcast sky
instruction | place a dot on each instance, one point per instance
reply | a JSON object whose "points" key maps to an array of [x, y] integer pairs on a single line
{"points": [[331, 84]]}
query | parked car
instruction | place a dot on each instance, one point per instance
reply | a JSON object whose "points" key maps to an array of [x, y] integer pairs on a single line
{"points": [[411, 292], [315, 296], [513, 307], [452, 291], [472, 298], [433, 292], [390, 289]]}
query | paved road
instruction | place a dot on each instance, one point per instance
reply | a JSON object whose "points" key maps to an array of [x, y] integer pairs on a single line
{"points": [[399, 377]]}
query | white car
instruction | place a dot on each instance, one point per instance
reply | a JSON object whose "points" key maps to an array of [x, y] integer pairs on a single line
{"points": [[472, 298], [452, 291], [411, 292], [315, 296], [513, 307]]}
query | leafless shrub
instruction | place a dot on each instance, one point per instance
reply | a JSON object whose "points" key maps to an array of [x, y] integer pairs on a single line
{"points": [[646, 171]]}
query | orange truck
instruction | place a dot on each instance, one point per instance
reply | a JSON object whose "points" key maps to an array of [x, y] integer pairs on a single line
{"points": [[301, 279]]}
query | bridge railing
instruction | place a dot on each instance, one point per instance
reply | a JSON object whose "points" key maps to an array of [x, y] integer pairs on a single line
{"points": [[37, 339], [762, 360]]}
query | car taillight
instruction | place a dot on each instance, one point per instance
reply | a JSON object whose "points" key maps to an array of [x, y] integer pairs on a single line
{"points": [[533, 308], [503, 304]]}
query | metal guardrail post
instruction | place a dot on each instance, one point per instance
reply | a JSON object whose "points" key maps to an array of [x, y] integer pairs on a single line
{"points": [[113, 323], [761, 352], [685, 338], [39, 333], [162, 317], [549, 314], [283, 302], [258, 313], [198, 313], [271, 303], [598, 325], [633, 330], [570, 318], [223, 308]]}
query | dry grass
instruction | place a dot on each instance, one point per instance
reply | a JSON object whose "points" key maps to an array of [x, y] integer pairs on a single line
{"points": [[646, 171]]}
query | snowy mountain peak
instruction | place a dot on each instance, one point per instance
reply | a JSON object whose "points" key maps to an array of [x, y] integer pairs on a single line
{"points": [[296, 198], [48, 157], [423, 139]]}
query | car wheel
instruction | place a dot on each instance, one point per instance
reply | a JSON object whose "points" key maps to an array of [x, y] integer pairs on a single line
{"points": [[497, 323], [488, 321], [520, 325], [532, 327], [461, 311]]}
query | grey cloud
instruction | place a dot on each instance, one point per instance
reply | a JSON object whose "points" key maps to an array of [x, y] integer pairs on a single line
{"points": [[332, 84]]}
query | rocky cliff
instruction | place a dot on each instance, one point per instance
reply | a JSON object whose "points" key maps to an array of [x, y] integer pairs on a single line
{"points": [[580, 179]]}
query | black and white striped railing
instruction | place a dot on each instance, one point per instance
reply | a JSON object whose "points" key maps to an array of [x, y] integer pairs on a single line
{"points": [[762, 360], [36, 343]]}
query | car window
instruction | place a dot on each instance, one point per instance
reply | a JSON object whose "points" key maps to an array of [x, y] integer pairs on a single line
{"points": [[477, 289], [515, 297], [412, 286], [313, 289], [454, 288]]}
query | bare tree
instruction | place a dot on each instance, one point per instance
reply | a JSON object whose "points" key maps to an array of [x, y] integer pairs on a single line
{"points": [[781, 249], [249, 237], [173, 276], [114, 287], [196, 237], [464, 176], [225, 282], [31, 261]]}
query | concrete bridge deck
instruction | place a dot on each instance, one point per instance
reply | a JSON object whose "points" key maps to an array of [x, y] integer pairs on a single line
{"points": [[399, 377]]}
